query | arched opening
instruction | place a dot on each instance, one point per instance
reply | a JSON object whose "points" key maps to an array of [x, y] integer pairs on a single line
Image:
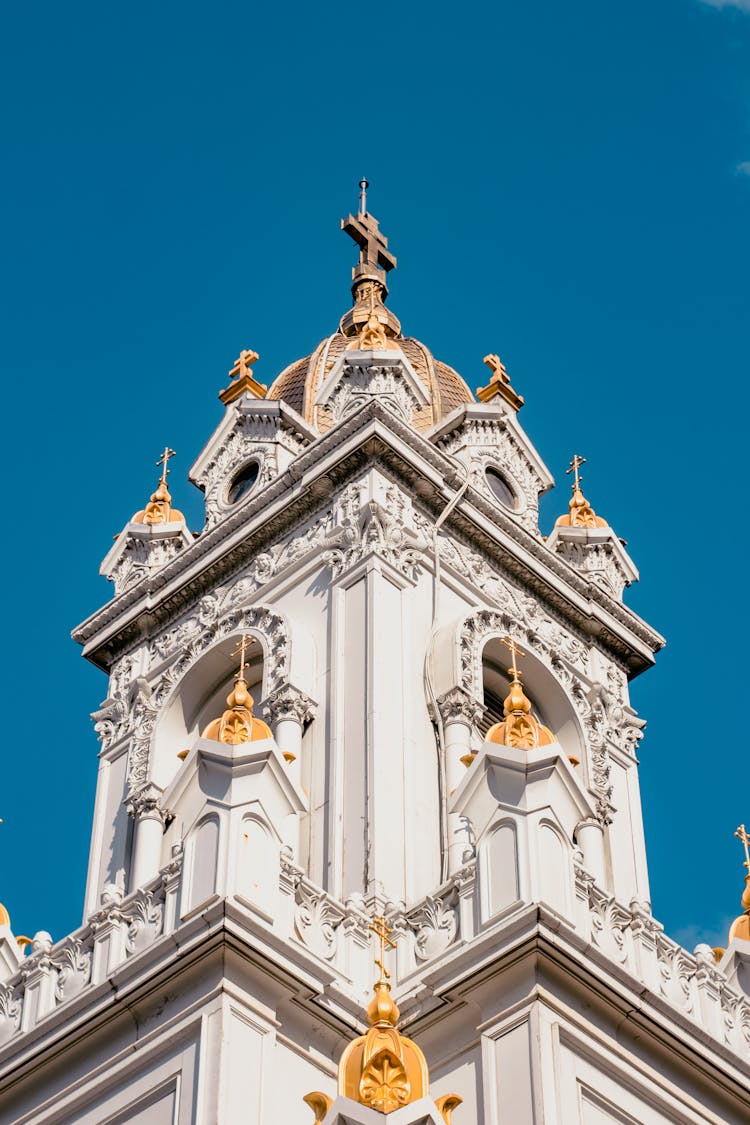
{"points": [[200, 697], [548, 698]]}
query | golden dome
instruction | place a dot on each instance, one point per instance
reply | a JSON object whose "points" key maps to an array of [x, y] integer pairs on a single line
{"points": [[238, 724], [299, 383]]}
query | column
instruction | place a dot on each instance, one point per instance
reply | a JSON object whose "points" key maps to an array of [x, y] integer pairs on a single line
{"points": [[459, 713], [145, 808], [288, 710]]}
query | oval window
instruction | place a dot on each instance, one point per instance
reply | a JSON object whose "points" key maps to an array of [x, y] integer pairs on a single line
{"points": [[243, 483], [501, 490]]}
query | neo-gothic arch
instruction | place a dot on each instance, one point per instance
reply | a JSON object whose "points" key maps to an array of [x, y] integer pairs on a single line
{"points": [[480, 658], [193, 691]]}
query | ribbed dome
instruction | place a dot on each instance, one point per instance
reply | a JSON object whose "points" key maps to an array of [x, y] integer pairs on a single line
{"points": [[298, 384]]}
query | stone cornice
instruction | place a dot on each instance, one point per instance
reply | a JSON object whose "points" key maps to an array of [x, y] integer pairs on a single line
{"points": [[372, 435]]}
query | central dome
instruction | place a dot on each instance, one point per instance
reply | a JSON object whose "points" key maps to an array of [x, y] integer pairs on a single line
{"points": [[299, 383], [369, 324]]}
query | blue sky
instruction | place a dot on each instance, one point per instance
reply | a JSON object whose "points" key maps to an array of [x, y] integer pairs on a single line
{"points": [[566, 185]]}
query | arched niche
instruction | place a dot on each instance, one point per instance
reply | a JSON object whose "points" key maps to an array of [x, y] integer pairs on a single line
{"points": [[549, 700], [202, 862], [201, 696]]}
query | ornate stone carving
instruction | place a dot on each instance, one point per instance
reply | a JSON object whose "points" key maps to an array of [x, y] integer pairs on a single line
{"points": [[457, 704], [359, 383], [385, 530], [609, 922], [493, 443], [73, 964], [146, 802], [10, 1013], [316, 919], [435, 924], [288, 702], [144, 918], [110, 721]]}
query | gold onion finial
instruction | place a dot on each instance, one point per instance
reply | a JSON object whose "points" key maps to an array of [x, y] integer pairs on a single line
{"points": [[580, 512], [520, 728], [741, 926], [238, 724], [159, 508], [383, 1069]]}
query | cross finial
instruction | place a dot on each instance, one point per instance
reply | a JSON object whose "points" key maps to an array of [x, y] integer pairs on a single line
{"points": [[244, 644], [575, 466], [164, 462], [375, 259], [243, 363], [514, 651], [381, 928], [742, 835]]}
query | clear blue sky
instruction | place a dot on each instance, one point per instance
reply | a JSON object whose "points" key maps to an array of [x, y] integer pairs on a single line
{"points": [[565, 184]]}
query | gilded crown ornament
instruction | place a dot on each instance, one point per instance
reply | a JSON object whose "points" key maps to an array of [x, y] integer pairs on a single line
{"points": [[382, 1069], [520, 728], [159, 508], [580, 512], [238, 724]]}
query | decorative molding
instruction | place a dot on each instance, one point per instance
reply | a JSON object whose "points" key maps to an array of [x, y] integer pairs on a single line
{"points": [[288, 702], [435, 925]]}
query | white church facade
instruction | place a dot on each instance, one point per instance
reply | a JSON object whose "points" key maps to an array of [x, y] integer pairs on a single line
{"points": [[370, 714]]}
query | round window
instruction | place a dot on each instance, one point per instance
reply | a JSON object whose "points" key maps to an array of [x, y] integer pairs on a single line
{"points": [[501, 490], [243, 483]]}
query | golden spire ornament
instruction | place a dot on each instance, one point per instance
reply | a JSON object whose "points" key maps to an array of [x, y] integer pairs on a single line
{"points": [[519, 729], [580, 512], [382, 1069], [238, 724], [159, 508], [741, 926]]}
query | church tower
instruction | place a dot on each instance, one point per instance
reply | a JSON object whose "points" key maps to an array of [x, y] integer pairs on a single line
{"points": [[367, 845]]}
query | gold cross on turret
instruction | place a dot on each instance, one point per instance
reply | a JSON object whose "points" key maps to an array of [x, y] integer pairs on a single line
{"points": [[514, 651], [243, 363], [380, 927], [164, 462], [575, 466], [241, 651], [742, 835]]}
